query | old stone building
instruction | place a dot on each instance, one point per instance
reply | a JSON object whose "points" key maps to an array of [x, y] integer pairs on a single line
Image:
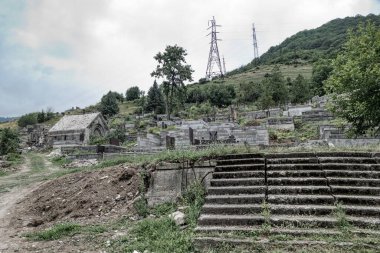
{"points": [[77, 129]]}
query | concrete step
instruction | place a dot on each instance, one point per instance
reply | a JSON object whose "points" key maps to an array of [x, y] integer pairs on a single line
{"points": [[351, 167], [308, 221], [239, 167], [235, 199], [247, 181], [285, 167], [299, 189], [295, 173], [290, 155], [235, 190], [295, 160], [301, 209], [241, 161], [354, 181], [241, 156], [343, 154], [301, 199], [356, 160], [239, 174], [297, 181], [358, 200], [232, 209], [209, 243], [285, 231], [362, 210], [230, 220], [353, 174], [272, 231], [364, 222], [355, 190]]}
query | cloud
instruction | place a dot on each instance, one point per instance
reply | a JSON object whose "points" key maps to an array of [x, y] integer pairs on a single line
{"points": [[74, 51]]}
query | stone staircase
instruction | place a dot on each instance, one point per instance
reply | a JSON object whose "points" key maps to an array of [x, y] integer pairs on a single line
{"points": [[291, 194]]}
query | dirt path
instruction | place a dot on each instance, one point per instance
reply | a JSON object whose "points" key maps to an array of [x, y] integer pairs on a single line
{"points": [[15, 187]]}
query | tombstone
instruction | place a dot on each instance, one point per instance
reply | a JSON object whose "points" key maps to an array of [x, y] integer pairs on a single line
{"points": [[114, 141], [191, 136], [213, 136], [170, 142]]}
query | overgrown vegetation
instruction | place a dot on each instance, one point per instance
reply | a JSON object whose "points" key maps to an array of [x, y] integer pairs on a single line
{"points": [[9, 141], [354, 81], [59, 231]]}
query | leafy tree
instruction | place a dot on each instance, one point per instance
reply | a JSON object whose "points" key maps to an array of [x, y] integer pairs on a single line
{"points": [[9, 141], [27, 119], [41, 117], [196, 95], [221, 95], [132, 93], [277, 84], [321, 71], [354, 83], [248, 92], [108, 105], [49, 113], [173, 68], [155, 100], [300, 90], [265, 100]]}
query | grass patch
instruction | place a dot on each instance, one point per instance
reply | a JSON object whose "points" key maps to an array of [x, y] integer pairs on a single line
{"points": [[157, 235], [60, 160], [62, 230], [37, 163]]}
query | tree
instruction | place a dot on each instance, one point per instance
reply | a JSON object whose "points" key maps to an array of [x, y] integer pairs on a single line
{"points": [[155, 100], [9, 141], [27, 119], [41, 117], [173, 68], [321, 71], [132, 93], [108, 105], [265, 100], [221, 95], [354, 83], [248, 92], [277, 84], [300, 90]]}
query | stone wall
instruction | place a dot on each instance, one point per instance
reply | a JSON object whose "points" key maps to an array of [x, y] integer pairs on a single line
{"points": [[297, 110], [285, 123], [354, 142], [168, 182]]}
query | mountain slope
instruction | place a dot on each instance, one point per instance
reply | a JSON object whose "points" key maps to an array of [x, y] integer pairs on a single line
{"points": [[309, 45]]}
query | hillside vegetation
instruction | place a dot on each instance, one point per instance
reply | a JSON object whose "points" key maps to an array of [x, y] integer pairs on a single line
{"points": [[310, 45]]}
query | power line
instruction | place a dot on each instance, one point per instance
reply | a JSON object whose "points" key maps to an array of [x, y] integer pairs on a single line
{"points": [[213, 57]]}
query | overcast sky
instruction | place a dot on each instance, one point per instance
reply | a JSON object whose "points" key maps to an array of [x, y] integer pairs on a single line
{"points": [[64, 53]]}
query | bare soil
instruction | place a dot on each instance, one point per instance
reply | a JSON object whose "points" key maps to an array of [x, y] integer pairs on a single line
{"points": [[80, 196], [91, 197]]}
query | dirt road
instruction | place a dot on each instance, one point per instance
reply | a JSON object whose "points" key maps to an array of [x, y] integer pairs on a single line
{"points": [[14, 188]]}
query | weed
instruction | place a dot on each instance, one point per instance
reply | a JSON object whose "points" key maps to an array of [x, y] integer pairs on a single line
{"points": [[36, 162], [65, 229], [194, 198], [157, 235], [60, 160], [164, 209], [343, 223], [266, 226], [141, 207]]}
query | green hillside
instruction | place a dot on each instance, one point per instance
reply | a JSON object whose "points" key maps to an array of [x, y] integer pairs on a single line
{"points": [[311, 45]]}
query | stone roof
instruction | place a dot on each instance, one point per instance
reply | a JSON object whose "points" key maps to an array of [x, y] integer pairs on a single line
{"points": [[74, 122]]}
